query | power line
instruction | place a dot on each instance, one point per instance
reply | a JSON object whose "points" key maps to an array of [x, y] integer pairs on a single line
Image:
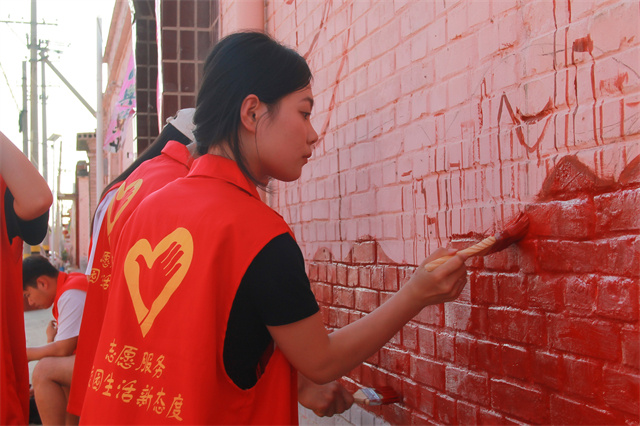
{"points": [[9, 86]]}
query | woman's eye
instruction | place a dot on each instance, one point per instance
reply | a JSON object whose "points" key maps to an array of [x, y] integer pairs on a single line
{"points": [[306, 115]]}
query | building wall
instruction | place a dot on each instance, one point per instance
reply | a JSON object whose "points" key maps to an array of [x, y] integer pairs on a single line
{"points": [[189, 30], [117, 53], [438, 122], [83, 226]]}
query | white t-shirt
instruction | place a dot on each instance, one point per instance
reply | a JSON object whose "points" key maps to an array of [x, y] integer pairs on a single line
{"points": [[70, 307]]}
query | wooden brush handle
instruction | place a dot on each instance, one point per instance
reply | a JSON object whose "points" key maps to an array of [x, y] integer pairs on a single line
{"points": [[475, 250]]}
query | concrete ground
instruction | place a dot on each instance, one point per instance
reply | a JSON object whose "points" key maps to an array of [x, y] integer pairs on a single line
{"points": [[35, 323]]}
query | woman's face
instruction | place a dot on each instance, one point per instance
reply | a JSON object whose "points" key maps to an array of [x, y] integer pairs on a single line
{"points": [[284, 138]]}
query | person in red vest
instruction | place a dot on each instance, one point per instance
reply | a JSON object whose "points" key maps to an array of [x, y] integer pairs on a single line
{"points": [[211, 315], [165, 160], [44, 286], [24, 214]]}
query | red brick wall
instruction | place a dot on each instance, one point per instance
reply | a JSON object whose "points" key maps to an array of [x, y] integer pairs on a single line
{"points": [[438, 121]]}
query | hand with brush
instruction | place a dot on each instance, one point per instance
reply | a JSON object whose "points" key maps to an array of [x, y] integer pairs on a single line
{"points": [[323, 357], [324, 400]]}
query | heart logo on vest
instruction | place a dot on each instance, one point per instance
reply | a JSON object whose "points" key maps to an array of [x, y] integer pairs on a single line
{"points": [[168, 264], [126, 193]]}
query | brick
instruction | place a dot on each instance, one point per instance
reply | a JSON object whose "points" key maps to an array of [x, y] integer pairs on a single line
{"points": [[390, 276], [489, 357], [377, 277], [341, 274], [395, 361], [445, 409], [468, 385], [483, 289], [364, 277], [595, 338], [410, 337], [427, 399], [580, 293], [547, 369], [467, 413], [338, 318], [571, 219], [364, 252], [428, 372], [621, 390], [512, 290], [545, 292], [583, 377], [352, 276], [622, 257], [431, 315], [366, 300], [426, 341], [458, 316], [516, 362], [466, 351], [617, 298], [332, 273], [516, 325], [322, 292], [507, 260], [573, 412], [618, 212], [631, 346], [343, 297], [521, 401], [559, 256], [445, 346]]}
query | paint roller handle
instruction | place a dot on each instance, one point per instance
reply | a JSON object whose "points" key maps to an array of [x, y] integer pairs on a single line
{"points": [[475, 250]]}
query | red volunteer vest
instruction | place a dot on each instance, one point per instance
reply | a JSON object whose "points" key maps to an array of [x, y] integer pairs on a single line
{"points": [[153, 174], [177, 267], [14, 370], [72, 281]]}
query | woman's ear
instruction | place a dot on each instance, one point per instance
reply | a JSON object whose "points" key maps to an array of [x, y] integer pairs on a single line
{"points": [[250, 110]]}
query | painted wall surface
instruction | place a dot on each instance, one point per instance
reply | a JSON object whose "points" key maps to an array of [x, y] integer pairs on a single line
{"points": [[438, 122]]}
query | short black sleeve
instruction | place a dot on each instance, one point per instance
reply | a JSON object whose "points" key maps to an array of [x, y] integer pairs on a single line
{"points": [[274, 291], [32, 231], [277, 284]]}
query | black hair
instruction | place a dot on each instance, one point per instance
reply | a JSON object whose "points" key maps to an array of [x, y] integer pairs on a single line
{"points": [[243, 64], [169, 133], [34, 267]]}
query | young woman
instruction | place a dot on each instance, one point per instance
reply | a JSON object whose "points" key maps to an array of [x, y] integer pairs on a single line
{"points": [[212, 314]]}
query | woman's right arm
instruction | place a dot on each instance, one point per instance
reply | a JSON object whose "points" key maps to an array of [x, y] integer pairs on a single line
{"points": [[324, 357], [30, 191]]}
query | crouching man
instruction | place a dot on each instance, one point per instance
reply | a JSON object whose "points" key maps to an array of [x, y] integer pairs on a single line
{"points": [[43, 287]]}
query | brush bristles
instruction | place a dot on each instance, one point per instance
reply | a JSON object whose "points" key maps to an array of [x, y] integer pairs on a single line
{"points": [[378, 396], [513, 232]]}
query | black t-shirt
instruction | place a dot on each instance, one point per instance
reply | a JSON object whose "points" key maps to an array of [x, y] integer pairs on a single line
{"points": [[274, 291], [32, 232]]}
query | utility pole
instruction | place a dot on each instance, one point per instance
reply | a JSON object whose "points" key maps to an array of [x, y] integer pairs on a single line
{"points": [[33, 47], [99, 131], [23, 114], [45, 139]]}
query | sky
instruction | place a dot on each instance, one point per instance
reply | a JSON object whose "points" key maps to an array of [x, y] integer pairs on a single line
{"points": [[70, 27]]}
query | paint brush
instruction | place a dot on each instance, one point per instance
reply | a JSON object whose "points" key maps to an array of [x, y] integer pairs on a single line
{"points": [[512, 233], [377, 396]]}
